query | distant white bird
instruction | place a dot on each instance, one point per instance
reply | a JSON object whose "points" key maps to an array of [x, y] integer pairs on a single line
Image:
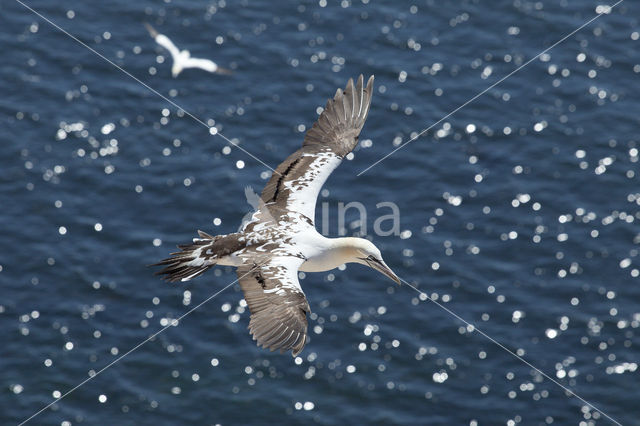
{"points": [[281, 239], [182, 58]]}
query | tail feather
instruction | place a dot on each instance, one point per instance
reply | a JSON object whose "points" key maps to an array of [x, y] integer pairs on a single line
{"points": [[191, 261], [203, 234], [182, 272], [197, 257]]}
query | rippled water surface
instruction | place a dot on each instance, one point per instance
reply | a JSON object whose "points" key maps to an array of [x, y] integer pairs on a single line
{"points": [[519, 212]]}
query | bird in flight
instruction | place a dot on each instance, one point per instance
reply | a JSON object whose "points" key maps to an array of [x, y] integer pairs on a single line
{"points": [[182, 58], [280, 239]]}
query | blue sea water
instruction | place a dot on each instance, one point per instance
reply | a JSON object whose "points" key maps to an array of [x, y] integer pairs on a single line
{"points": [[519, 213]]}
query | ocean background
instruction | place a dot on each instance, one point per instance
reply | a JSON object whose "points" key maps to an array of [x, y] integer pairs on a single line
{"points": [[520, 212]]}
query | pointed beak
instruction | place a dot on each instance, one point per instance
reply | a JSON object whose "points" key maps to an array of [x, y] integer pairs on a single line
{"points": [[384, 269]]}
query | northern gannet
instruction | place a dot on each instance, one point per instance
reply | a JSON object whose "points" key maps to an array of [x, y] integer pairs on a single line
{"points": [[280, 239], [182, 58]]}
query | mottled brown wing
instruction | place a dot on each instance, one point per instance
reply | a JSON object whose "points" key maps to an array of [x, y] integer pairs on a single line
{"points": [[298, 179], [277, 303]]}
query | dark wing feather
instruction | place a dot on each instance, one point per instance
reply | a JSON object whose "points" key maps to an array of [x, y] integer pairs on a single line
{"points": [[339, 125], [333, 135], [277, 303], [197, 257]]}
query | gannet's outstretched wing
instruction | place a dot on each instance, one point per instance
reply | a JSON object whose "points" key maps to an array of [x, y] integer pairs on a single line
{"points": [[205, 64], [297, 181], [277, 303], [163, 41]]}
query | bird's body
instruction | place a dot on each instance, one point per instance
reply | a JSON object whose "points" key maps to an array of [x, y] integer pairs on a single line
{"points": [[182, 58], [280, 238]]}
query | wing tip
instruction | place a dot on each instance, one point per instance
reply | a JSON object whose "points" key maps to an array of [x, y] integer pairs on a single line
{"points": [[300, 346], [204, 235], [360, 81], [152, 31], [340, 123], [281, 336], [224, 71], [349, 85]]}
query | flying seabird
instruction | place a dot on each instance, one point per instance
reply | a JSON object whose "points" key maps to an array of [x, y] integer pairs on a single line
{"points": [[182, 58], [280, 239]]}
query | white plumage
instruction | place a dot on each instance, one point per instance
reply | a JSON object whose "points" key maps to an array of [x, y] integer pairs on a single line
{"points": [[280, 238], [182, 58]]}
